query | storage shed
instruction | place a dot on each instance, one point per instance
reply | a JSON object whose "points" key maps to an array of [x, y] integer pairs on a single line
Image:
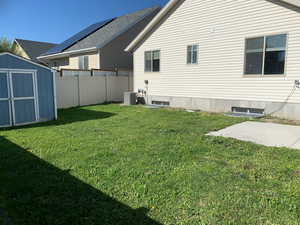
{"points": [[27, 91]]}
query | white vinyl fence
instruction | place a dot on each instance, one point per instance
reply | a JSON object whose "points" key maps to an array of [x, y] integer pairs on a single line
{"points": [[80, 88]]}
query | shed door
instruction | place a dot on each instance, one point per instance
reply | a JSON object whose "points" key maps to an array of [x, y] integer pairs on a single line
{"points": [[23, 97], [5, 107]]}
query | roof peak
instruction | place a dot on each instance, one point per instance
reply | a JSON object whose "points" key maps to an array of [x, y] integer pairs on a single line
{"points": [[43, 42], [139, 10]]}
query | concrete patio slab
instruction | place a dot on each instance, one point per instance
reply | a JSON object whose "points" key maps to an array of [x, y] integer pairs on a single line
{"points": [[268, 134]]}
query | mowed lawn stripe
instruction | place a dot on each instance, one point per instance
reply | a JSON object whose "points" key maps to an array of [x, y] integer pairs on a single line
{"points": [[112, 165]]}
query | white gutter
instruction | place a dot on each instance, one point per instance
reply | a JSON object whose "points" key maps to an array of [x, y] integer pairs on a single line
{"points": [[65, 54], [151, 25]]}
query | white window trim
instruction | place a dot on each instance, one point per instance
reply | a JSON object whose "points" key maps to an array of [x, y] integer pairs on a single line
{"points": [[264, 55]]}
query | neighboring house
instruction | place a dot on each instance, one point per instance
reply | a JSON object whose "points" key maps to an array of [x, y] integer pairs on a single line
{"points": [[222, 56], [31, 49], [101, 45]]}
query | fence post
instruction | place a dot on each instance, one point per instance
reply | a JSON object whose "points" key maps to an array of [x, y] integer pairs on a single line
{"points": [[78, 88]]}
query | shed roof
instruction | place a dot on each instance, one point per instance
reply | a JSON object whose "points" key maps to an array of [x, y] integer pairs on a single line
{"points": [[27, 60]]}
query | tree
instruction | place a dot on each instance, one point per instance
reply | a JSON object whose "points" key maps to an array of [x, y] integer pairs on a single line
{"points": [[7, 46]]}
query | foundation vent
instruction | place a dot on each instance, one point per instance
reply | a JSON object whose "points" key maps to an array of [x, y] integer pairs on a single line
{"points": [[161, 103], [252, 112]]}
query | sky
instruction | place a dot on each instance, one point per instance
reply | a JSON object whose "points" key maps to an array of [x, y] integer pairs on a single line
{"points": [[56, 20]]}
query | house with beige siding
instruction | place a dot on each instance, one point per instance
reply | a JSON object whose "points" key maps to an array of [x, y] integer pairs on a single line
{"points": [[101, 45], [222, 56]]}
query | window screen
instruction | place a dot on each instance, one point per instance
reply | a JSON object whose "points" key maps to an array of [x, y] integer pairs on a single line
{"points": [[275, 54], [254, 55], [152, 61], [156, 61], [148, 61], [83, 62], [192, 54]]}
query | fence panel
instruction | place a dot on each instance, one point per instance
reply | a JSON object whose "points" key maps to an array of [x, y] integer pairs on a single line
{"points": [[67, 91], [79, 88], [92, 90]]}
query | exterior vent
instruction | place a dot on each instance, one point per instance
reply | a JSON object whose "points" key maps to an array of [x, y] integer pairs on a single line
{"points": [[248, 111], [162, 103]]}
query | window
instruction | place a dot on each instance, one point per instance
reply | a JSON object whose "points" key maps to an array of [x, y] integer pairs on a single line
{"points": [[152, 61], [265, 55], [192, 54], [156, 61], [83, 62]]}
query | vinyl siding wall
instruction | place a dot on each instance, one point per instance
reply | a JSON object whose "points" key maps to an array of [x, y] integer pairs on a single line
{"points": [[72, 62], [220, 28]]}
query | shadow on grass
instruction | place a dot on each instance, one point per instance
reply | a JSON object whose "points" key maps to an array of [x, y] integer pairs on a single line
{"points": [[73, 115], [33, 192], [68, 116]]}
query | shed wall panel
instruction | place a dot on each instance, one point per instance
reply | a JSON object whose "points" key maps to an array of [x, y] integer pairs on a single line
{"points": [[4, 112], [3, 85], [44, 82], [24, 111]]}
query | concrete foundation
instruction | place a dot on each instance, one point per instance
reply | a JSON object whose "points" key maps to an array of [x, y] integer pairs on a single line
{"points": [[282, 110]]}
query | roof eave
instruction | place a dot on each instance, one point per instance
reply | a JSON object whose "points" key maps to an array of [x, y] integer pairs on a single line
{"points": [[66, 54], [151, 25], [292, 2], [28, 60], [129, 27]]}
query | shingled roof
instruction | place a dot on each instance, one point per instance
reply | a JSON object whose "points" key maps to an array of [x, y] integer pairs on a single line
{"points": [[34, 48], [101, 33]]}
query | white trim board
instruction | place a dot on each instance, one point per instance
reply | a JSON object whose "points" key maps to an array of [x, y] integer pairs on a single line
{"points": [[7, 99], [64, 54], [292, 2], [54, 94]]}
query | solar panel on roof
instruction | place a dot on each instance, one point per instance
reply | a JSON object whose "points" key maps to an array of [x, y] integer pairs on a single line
{"points": [[77, 37]]}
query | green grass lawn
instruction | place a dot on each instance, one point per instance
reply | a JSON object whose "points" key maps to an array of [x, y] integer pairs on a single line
{"points": [[114, 165]]}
